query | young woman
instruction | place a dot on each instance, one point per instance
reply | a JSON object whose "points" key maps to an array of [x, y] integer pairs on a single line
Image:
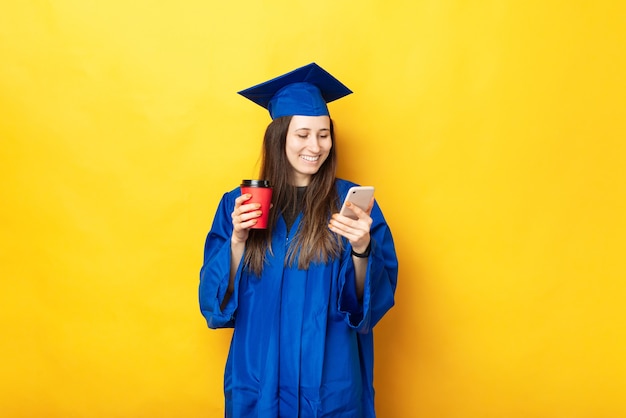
{"points": [[304, 294]]}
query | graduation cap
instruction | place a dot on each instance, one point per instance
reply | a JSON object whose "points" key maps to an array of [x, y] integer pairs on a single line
{"points": [[303, 91]]}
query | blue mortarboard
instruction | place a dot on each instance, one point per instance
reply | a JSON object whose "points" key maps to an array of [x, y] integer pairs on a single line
{"points": [[303, 91]]}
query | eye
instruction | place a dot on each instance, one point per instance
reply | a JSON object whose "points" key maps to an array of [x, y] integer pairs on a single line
{"points": [[303, 136]]}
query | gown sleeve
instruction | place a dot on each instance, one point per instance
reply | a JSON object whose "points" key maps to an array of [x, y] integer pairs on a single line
{"points": [[380, 279], [215, 271]]}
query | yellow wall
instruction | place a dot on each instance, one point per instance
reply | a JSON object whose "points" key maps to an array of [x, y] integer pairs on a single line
{"points": [[494, 133]]}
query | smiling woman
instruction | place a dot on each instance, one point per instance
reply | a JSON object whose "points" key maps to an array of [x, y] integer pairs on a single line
{"points": [[303, 298], [492, 130]]}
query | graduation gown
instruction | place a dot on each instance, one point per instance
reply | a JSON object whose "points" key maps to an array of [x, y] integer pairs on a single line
{"points": [[302, 344]]}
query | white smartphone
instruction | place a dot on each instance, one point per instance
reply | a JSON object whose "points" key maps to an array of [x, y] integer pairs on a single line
{"points": [[357, 195]]}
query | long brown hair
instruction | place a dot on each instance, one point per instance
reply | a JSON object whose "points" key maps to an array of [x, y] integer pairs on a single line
{"points": [[313, 242]]}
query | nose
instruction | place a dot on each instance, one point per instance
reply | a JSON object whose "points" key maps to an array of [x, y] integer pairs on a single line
{"points": [[314, 144]]}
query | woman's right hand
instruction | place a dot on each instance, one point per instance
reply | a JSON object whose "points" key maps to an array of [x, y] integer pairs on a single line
{"points": [[245, 215]]}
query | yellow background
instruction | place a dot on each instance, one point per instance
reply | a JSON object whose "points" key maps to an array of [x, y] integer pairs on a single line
{"points": [[493, 130]]}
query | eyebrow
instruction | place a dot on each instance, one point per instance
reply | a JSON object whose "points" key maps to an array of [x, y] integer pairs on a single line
{"points": [[308, 129]]}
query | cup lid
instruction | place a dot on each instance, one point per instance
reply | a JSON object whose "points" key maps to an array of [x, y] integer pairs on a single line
{"points": [[255, 183]]}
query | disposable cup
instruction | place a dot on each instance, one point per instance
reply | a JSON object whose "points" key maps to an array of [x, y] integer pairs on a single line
{"points": [[261, 192]]}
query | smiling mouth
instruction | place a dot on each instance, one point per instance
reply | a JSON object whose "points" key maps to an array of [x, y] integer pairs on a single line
{"points": [[309, 158]]}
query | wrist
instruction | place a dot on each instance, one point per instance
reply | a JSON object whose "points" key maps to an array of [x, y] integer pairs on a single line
{"points": [[363, 254], [235, 242]]}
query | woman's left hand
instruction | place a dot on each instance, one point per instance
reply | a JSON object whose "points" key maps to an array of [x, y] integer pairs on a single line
{"points": [[357, 232]]}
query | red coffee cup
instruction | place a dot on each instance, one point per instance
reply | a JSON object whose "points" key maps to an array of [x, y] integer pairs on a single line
{"points": [[261, 192]]}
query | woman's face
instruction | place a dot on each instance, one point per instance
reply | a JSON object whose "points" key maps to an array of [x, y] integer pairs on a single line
{"points": [[308, 145]]}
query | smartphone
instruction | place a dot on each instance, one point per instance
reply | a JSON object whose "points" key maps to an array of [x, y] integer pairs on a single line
{"points": [[357, 195]]}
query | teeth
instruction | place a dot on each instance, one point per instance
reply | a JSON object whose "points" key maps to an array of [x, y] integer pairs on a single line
{"points": [[307, 158]]}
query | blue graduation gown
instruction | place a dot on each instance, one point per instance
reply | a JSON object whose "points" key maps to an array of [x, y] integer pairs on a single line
{"points": [[302, 344]]}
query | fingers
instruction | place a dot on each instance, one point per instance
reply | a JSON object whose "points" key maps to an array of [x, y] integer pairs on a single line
{"points": [[242, 208], [351, 234], [242, 199], [358, 238], [349, 227], [356, 231], [362, 215], [246, 219], [244, 216]]}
